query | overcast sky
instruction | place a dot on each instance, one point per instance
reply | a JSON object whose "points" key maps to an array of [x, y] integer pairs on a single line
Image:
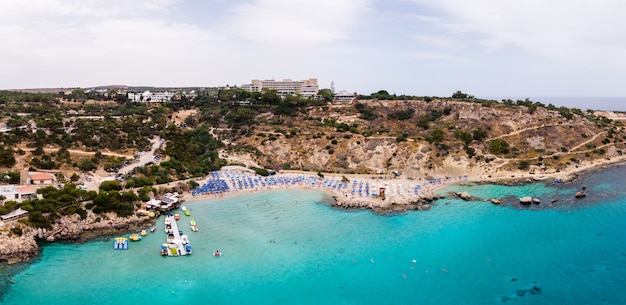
{"points": [[482, 47]]}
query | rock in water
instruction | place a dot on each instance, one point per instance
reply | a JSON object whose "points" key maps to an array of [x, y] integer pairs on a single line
{"points": [[580, 194], [536, 201], [465, 196], [525, 200]]}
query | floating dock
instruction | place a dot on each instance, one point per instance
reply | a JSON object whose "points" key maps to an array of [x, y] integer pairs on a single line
{"points": [[177, 244], [120, 243]]}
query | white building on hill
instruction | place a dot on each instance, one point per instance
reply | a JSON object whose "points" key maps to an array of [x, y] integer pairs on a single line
{"points": [[305, 88], [154, 97], [343, 97], [18, 193]]}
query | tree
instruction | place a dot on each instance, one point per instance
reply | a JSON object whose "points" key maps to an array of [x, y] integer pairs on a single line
{"points": [[74, 177], [464, 136], [191, 121], [243, 115], [110, 185], [523, 164], [423, 121], [367, 113], [193, 184], [270, 97], [498, 146], [6, 157], [38, 151], [382, 95], [436, 136], [459, 94], [38, 220], [13, 178], [87, 165], [326, 94], [479, 134], [401, 115]]}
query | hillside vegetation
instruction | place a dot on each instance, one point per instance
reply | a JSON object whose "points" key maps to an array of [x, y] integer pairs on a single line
{"points": [[79, 135], [419, 137]]}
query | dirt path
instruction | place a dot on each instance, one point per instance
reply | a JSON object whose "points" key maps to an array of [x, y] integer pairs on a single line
{"points": [[587, 142], [531, 128], [78, 152]]}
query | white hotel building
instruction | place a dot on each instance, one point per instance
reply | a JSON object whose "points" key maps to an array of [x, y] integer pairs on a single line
{"points": [[147, 96], [305, 88]]}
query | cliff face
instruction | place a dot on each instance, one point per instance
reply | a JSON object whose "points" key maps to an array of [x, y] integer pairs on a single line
{"points": [[341, 139], [15, 249]]}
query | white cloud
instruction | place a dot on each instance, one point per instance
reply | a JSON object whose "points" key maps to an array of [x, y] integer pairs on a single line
{"points": [[421, 47], [34, 10], [573, 31], [295, 23], [69, 43]]}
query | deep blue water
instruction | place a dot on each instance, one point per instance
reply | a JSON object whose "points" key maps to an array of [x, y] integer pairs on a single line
{"points": [[291, 247]]}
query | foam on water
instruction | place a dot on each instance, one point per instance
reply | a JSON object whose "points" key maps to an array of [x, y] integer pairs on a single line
{"points": [[291, 247]]}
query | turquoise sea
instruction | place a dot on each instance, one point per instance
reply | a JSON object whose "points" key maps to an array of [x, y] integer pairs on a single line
{"points": [[292, 247]]}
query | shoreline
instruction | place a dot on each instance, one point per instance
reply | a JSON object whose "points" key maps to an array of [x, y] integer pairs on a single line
{"points": [[19, 249], [569, 175], [347, 191], [401, 194], [427, 188]]}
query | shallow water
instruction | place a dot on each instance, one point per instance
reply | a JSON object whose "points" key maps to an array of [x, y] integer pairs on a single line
{"points": [[291, 247]]}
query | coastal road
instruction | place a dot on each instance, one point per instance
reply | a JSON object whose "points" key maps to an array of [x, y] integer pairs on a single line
{"points": [[144, 157], [76, 151]]}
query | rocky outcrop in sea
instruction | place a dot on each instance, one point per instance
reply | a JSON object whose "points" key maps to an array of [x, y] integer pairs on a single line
{"points": [[386, 205]]}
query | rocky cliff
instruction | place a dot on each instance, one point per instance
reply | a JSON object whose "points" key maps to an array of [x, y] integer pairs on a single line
{"points": [[432, 140], [14, 248]]}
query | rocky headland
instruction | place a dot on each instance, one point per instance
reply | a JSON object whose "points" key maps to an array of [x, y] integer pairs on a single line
{"points": [[384, 206], [16, 249]]}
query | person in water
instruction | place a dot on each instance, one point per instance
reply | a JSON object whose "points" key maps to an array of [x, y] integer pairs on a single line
{"points": [[217, 252]]}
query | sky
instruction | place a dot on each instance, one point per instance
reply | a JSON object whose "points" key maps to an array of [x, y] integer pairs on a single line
{"points": [[485, 48]]}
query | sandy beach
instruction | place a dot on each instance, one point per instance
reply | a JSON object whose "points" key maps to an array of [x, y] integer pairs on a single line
{"points": [[382, 193], [366, 191]]}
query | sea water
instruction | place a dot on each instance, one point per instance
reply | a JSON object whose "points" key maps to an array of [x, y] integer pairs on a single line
{"points": [[292, 247]]}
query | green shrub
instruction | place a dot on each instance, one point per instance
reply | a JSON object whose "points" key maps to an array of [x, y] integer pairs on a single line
{"points": [[261, 171], [498, 146], [17, 231]]}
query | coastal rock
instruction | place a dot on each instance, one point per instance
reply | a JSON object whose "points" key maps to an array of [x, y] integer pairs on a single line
{"points": [[16, 249], [465, 196], [536, 201], [496, 201], [389, 205], [525, 200]]}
